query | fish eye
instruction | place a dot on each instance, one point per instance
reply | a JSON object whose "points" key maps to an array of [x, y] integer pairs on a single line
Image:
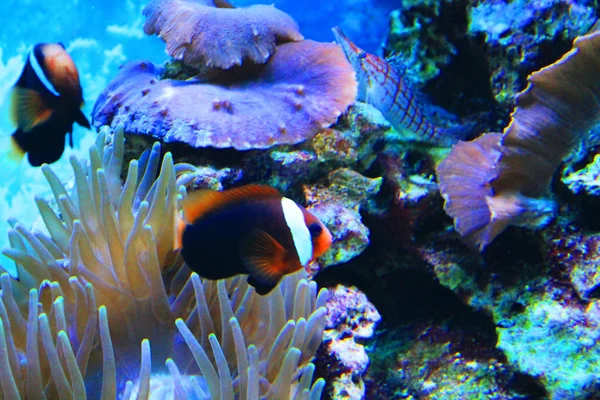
{"points": [[362, 54], [315, 229]]}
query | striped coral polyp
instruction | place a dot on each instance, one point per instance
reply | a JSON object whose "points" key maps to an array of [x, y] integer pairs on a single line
{"points": [[90, 292]]}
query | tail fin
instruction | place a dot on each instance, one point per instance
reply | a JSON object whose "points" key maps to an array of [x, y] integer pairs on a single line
{"points": [[48, 154], [447, 136], [14, 152]]}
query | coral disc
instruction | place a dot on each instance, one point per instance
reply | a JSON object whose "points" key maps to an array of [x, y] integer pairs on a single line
{"points": [[200, 32], [303, 88]]}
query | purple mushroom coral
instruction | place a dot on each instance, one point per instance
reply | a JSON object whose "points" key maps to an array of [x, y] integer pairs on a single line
{"points": [[255, 83], [502, 179], [216, 34], [303, 88]]}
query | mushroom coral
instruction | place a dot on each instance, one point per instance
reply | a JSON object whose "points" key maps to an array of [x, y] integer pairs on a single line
{"points": [[216, 34], [303, 88], [92, 290], [499, 180]]}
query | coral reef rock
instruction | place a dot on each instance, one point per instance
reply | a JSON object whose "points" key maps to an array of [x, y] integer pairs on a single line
{"points": [[353, 141], [585, 180], [337, 204], [283, 168], [556, 343], [517, 33], [474, 56], [424, 51], [545, 329], [350, 317], [206, 177]]}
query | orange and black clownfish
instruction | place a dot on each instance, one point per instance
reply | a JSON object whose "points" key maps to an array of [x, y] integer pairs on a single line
{"points": [[250, 230], [46, 101]]}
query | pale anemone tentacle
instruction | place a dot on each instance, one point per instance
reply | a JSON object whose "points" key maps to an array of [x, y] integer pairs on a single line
{"points": [[58, 367], [91, 291], [125, 270]]}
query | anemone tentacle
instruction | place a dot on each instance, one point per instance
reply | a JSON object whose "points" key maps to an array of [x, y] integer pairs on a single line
{"points": [[91, 291]]}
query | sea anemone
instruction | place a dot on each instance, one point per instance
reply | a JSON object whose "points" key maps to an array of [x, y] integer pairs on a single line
{"points": [[216, 34], [303, 88], [103, 281], [553, 114]]}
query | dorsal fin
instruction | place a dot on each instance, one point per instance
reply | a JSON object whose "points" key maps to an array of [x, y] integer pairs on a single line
{"points": [[202, 201]]}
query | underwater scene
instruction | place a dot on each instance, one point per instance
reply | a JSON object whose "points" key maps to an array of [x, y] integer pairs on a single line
{"points": [[351, 199]]}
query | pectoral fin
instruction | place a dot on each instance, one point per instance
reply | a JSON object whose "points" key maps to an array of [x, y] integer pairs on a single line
{"points": [[264, 259], [28, 109]]}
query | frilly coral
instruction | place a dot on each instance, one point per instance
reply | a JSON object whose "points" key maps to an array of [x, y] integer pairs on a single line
{"points": [[304, 87], [215, 34], [553, 114], [464, 181]]}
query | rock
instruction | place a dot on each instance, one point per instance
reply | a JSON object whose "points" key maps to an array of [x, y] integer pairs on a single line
{"points": [[516, 33], [584, 180], [424, 50], [353, 141], [337, 202], [350, 316]]}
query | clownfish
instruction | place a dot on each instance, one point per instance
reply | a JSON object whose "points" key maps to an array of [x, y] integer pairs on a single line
{"points": [[46, 101], [252, 230]]}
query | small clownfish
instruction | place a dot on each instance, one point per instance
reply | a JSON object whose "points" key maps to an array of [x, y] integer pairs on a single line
{"points": [[252, 230], [46, 101]]}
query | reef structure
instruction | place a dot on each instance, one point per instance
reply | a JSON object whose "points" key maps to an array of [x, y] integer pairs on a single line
{"points": [[268, 87], [303, 88], [351, 319], [475, 56], [503, 179], [518, 36]]}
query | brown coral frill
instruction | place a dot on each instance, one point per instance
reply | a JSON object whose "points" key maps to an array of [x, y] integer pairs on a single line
{"points": [[553, 114], [465, 177], [557, 109], [201, 32], [304, 87]]}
